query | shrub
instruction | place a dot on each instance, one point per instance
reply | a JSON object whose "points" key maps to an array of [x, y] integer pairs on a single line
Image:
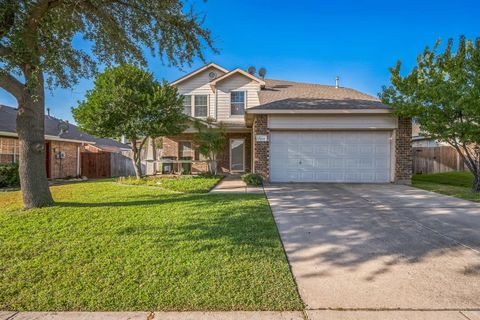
{"points": [[9, 175], [252, 179]]}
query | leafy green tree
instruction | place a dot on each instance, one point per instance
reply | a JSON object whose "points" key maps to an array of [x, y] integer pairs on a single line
{"points": [[442, 93], [211, 140], [127, 101], [36, 48]]}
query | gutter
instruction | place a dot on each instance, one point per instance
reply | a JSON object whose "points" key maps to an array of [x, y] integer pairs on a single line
{"points": [[47, 137], [322, 111]]}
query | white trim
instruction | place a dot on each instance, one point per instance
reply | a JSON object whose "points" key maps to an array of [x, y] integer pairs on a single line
{"points": [[192, 150], [191, 74], [393, 154], [332, 111], [78, 161], [230, 115], [193, 105], [8, 134], [230, 154], [238, 70], [47, 137]]}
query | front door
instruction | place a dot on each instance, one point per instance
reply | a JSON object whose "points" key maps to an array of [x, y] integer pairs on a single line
{"points": [[237, 155]]}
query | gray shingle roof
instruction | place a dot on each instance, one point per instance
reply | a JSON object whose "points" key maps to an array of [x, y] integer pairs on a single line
{"points": [[283, 95], [53, 128]]}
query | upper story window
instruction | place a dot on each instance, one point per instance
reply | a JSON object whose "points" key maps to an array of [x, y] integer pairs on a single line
{"points": [[201, 106], [187, 105], [237, 103], [195, 105]]}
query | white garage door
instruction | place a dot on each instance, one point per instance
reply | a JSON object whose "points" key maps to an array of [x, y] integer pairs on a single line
{"points": [[336, 156]]}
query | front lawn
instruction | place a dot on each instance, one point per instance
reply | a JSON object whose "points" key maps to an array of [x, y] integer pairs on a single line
{"points": [[456, 184], [185, 184], [107, 246]]}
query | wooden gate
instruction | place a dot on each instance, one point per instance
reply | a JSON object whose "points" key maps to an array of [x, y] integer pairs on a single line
{"points": [[436, 159], [96, 165]]}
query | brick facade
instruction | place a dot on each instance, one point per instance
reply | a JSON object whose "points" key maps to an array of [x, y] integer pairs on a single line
{"points": [[170, 149], [66, 167], [403, 151], [261, 149], [59, 168], [9, 150]]}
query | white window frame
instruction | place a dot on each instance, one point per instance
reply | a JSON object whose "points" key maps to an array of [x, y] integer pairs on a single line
{"points": [[192, 151], [244, 104], [230, 154], [193, 105]]}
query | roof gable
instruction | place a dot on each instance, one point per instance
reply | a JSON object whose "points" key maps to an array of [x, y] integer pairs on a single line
{"points": [[199, 70], [237, 71]]}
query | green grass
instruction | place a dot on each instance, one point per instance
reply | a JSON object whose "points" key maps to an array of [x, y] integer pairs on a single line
{"points": [[456, 184], [106, 246], [184, 184]]}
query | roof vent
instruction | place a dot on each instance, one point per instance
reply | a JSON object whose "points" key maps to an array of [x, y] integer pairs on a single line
{"points": [[212, 75], [337, 82]]}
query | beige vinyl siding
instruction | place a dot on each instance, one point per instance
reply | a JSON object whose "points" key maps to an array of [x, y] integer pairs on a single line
{"points": [[235, 82], [349, 122], [200, 85]]}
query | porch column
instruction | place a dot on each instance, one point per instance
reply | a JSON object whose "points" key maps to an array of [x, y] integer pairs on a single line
{"points": [[261, 146], [403, 151]]}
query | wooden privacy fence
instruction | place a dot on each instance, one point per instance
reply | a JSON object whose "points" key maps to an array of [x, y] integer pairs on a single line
{"points": [[121, 166], [105, 165], [96, 165], [436, 159]]}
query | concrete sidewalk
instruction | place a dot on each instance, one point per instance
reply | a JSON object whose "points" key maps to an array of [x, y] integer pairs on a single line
{"points": [[234, 184]]}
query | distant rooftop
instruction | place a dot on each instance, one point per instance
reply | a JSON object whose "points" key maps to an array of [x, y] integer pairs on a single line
{"points": [[53, 127]]}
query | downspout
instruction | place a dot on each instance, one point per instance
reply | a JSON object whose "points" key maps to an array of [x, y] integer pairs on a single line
{"points": [[78, 161]]}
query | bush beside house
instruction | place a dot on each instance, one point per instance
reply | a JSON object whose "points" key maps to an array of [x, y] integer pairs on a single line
{"points": [[9, 175]]}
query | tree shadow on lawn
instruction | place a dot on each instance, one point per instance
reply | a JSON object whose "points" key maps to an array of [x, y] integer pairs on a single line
{"points": [[207, 218], [159, 199]]}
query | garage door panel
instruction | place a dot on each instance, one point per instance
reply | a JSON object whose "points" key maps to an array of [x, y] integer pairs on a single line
{"points": [[330, 156]]}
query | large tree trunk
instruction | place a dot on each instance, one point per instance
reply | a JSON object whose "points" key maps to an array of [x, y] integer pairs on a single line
{"points": [[137, 165], [137, 159], [30, 129]]}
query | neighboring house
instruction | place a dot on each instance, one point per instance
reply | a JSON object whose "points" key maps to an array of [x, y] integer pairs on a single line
{"points": [[420, 140], [64, 144], [294, 132], [432, 156]]}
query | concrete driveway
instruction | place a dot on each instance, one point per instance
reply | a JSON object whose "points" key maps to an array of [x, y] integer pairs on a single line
{"points": [[379, 246]]}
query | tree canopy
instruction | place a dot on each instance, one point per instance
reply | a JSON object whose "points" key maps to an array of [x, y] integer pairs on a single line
{"points": [[39, 46], [42, 33], [127, 101], [442, 93]]}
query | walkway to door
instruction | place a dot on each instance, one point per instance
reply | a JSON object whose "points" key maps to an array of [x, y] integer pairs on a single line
{"points": [[234, 184]]}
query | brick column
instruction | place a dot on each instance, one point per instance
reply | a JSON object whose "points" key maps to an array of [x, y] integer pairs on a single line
{"points": [[261, 157], [403, 151]]}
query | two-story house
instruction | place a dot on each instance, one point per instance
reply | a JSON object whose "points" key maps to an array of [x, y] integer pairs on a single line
{"points": [[294, 132]]}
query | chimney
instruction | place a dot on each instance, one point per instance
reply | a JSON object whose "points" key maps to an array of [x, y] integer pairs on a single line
{"points": [[337, 82], [48, 112]]}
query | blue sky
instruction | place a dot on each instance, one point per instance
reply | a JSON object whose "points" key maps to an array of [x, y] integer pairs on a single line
{"points": [[312, 41]]}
